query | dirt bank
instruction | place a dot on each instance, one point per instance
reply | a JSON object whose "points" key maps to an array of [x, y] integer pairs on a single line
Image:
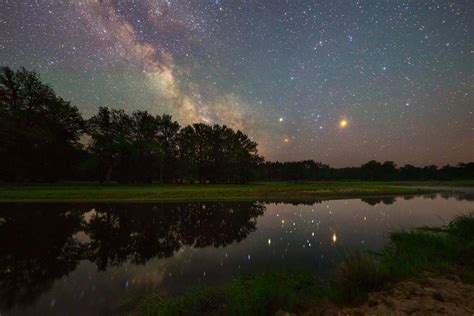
{"points": [[432, 296]]}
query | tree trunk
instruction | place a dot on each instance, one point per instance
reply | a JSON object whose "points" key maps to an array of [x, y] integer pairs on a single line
{"points": [[161, 169], [108, 174]]}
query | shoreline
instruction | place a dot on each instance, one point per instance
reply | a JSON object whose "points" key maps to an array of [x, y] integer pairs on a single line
{"points": [[423, 270], [262, 191]]}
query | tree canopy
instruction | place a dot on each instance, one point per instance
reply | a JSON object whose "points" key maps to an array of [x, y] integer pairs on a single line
{"points": [[40, 137], [39, 131]]}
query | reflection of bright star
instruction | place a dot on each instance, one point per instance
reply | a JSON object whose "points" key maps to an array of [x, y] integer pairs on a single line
{"points": [[343, 123]]}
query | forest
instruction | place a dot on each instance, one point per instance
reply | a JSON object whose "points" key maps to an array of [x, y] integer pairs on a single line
{"points": [[44, 138]]}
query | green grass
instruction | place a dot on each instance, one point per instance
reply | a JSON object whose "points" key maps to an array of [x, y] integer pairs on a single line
{"points": [[249, 295], [199, 192], [447, 250]]}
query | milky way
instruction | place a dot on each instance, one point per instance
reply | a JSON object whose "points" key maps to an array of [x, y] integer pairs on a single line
{"points": [[399, 74]]}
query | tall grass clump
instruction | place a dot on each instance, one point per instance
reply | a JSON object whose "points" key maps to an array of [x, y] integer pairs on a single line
{"points": [[356, 276], [449, 249], [461, 230], [262, 294]]}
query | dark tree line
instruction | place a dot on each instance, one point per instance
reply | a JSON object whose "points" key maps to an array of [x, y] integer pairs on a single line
{"points": [[39, 131], [372, 171], [141, 147], [40, 141], [40, 137]]}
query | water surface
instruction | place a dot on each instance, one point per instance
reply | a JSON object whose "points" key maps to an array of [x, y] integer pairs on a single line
{"points": [[86, 259]]}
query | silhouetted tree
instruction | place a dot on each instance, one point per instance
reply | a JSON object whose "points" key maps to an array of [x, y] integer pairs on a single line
{"points": [[39, 131], [111, 141], [409, 172], [373, 170], [217, 154], [146, 148], [294, 170], [166, 136]]}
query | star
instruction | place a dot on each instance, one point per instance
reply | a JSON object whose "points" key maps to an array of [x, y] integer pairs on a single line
{"points": [[238, 64]]}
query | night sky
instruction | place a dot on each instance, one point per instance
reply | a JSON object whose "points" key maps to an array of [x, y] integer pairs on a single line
{"points": [[341, 82]]}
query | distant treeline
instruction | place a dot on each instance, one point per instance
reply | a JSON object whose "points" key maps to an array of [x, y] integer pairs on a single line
{"points": [[44, 139], [372, 170]]}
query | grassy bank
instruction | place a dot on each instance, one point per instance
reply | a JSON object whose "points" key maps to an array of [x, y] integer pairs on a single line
{"points": [[205, 192], [442, 251], [445, 183]]}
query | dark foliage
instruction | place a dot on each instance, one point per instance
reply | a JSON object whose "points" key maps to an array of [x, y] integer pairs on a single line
{"points": [[140, 148], [40, 141], [39, 131], [371, 171]]}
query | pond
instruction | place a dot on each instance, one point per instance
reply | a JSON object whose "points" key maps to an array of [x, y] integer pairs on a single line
{"points": [[56, 258]]}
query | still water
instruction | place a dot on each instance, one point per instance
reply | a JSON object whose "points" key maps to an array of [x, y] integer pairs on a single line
{"points": [[86, 259]]}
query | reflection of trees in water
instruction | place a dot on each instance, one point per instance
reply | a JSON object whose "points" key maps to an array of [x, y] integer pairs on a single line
{"points": [[141, 232], [306, 201], [37, 244], [387, 200], [36, 248], [459, 196], [430, 196]]}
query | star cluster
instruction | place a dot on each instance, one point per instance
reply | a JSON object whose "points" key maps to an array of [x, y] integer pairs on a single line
{"points": [[399, 74]]}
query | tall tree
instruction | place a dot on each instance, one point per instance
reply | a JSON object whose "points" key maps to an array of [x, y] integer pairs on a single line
{"points": [[146, 146], [167, 136], [111, 141], [39, 131], [217, 153]]}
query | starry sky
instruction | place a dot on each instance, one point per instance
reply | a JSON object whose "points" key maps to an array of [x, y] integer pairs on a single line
{"points": [[339, 81]]}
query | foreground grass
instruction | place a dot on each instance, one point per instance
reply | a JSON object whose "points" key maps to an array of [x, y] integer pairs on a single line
{"points": [[447, 250], [253, 295], [206, 192]]}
